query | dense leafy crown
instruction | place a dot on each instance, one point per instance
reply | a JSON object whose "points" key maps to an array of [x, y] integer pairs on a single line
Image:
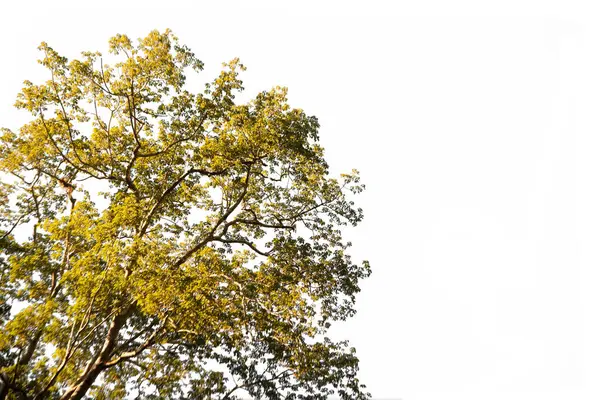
{"points": [[180, 245]]}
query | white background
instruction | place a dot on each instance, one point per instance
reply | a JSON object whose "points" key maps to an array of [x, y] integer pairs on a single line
{"points": [[476, 127]]}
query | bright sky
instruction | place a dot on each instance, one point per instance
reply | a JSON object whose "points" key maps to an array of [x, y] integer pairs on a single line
{"points": [[476, 127]]}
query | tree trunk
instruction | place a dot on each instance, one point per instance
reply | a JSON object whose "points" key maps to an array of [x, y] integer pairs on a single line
{"points": [[83, 384], [80, 389], [3, 389], [33, 343]]}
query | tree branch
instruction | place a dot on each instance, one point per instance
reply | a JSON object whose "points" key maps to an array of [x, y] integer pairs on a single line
{"points": [[221, 220], [170, 190]]}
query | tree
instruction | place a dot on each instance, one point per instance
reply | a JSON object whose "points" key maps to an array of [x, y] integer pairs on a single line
{"points": [[182, 245]]}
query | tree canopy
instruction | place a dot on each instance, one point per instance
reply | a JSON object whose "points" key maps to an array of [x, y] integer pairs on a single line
{"points": [[158, 242]]}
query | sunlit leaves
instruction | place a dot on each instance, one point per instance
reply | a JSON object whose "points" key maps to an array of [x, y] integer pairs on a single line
{"points": [[164, 242]]}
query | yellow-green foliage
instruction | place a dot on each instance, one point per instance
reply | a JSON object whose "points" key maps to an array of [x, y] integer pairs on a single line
{"points": [[180, 244]]}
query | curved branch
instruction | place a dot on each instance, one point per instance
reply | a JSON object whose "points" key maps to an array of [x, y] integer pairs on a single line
{"points": [[170, 190], [221, 220], [244, 242]]}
